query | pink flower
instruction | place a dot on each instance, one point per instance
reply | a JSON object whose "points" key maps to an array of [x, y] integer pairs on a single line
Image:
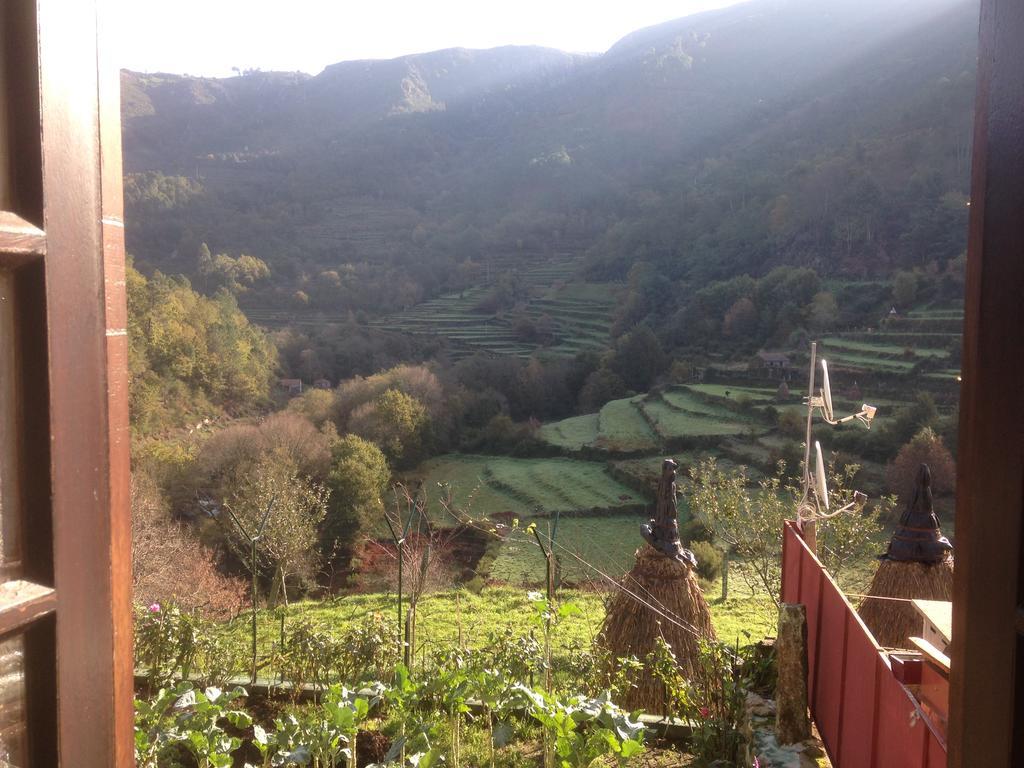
{"points": [[757, 763], [704, 712], [154, 608]]}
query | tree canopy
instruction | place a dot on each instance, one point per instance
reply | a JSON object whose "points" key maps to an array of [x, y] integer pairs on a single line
{"points": [[190, 355]]}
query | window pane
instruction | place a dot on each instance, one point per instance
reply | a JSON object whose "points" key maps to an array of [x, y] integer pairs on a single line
{"points": [[12, 703], [10, 502]]}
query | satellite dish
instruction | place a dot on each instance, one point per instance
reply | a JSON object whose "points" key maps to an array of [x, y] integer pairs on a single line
{"points": [[820, 485], [826, 391]]}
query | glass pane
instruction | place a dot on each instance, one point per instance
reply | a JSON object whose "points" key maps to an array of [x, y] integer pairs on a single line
{"points": [[12, 703], [9, 461]]}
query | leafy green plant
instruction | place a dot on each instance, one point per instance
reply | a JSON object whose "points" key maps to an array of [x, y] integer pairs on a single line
{"points": [[583, 729], [307, 656], [166, 640], [665, 669], [192, 720], [367, 650], [449, 688], [716, 702], [590, 667], [216, 660], [323, 736]]}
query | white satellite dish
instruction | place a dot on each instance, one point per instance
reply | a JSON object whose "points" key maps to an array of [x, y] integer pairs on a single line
{"points": [[826, 392], [821, 486]]}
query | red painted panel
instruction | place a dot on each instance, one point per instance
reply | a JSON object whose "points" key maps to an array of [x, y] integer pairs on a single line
{"points": [[902, 733], [936, 752], [826, 705], [859, 711], [934, 696], [867, 719], [810, 591]]}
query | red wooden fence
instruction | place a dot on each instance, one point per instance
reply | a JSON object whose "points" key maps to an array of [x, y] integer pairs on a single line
{"points": [[866, 717]]}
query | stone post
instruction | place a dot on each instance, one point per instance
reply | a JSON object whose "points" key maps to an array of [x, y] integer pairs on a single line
{"points": [[792, 723]]}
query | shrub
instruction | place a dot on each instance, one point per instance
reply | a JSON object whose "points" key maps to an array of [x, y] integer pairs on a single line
{"points": [[694, 530], [925, 448], [709, 560], [170, 565]]}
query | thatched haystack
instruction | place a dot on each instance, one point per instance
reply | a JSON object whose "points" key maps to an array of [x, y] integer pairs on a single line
{"points": [[893, 622], [660, 597], [631, 628], [917, 566]]}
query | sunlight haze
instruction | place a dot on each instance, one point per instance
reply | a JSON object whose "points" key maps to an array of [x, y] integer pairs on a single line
{"points": [[212, 38]]}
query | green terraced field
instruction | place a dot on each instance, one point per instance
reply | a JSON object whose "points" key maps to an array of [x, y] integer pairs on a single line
{"points": [[622, 427], [685, 400], [578, 314], [644, 422], [845, 345], [756, 394], [844, 359], [486, 485], [670, 422], [573, 433]]}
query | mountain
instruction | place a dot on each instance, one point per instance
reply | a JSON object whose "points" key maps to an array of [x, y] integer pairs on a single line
{"points": [[824, 133]]}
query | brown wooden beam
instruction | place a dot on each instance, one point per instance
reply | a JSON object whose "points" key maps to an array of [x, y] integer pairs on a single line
{"points": [[984, 686], [88, 467], [19, 239], [22, 602]]}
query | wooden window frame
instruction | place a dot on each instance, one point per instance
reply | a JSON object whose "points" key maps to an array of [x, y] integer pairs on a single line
{"points": [[79, 654], [62, 236], [987, 675]]}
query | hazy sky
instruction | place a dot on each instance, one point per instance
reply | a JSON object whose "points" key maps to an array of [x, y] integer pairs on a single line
{"points": [[209, 37]]}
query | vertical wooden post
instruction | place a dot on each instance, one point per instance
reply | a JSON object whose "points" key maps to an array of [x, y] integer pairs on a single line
{"points": [[792, 723], [987, 652]]}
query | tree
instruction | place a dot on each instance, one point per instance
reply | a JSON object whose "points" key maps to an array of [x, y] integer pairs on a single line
{"points": [[638, 358], [849, 537], [169, 564], [741, 319], [744, 524], [317, 405], [191, 356], [393, 420], [823, 312], [904, 289], [748, 523], [234, 274], [358, 479], [908, 421], [600, 387], [925, 447], [288, 544], [237, 449]]}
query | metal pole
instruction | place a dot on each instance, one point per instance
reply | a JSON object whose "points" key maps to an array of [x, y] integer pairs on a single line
{"points": [[253, 570], [808, 527]]}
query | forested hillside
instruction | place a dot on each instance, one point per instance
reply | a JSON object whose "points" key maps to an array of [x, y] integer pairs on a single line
{"points": [[776, 132]]}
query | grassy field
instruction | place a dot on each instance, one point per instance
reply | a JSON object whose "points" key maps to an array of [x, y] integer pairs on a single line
{"points": [[572, 433], [669, 421], [882, 349], [754, 394], [447, 617], [622, 427], [486, 485], [590, 549], [840, 358]]}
